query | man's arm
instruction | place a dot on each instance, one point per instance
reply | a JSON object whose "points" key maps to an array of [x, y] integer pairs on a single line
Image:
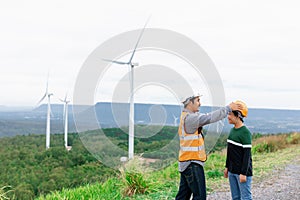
{"points": [[195, 120]]}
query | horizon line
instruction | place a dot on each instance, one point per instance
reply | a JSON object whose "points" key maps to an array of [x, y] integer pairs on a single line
{"points": [[14, 108]]}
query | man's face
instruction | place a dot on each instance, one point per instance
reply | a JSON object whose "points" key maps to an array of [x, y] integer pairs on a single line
{"points": [[195, 105]]}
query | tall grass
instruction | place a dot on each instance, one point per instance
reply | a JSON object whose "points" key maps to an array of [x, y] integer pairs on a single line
{"points": [[133, 177], [108, 190], [135, 183], [4, 191], [273, 143]]}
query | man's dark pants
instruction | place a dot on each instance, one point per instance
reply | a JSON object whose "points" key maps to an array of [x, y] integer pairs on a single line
{"points": [[192, 181]]}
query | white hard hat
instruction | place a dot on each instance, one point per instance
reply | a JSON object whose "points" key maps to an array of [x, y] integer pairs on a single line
{"points": [[187, 99]]}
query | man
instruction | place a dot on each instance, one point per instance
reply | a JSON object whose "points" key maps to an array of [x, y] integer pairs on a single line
{"points": [[192, 152]]}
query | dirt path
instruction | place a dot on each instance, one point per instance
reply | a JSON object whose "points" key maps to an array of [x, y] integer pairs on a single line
{"points": [[284, 184]]}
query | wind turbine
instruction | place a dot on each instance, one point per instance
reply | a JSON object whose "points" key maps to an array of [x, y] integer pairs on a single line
{"points": [[65, 114], [175, 120], [131, 79], [47, 94]]}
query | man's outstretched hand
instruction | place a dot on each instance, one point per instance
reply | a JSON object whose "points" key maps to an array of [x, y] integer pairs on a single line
{"points": [[235, 106]]}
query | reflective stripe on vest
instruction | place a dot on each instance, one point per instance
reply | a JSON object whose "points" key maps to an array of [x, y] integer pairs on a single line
{"points": [[190, 137], [191, 148], [191, 145]]}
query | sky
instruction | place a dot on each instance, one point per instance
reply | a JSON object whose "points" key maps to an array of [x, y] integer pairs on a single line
{"points": [[254, 45]]}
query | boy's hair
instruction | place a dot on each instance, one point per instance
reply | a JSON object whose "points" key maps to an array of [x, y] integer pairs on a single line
{"points": [[238, 114]]}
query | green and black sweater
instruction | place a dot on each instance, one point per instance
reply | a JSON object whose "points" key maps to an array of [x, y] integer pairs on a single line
{"points": [[239, 159]]}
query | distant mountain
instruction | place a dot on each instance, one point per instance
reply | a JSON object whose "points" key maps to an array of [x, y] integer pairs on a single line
{"points": [[14, 108], [109, 115]]}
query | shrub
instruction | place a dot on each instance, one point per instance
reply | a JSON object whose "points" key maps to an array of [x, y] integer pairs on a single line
{"points": [[133, 178], [293, 138], [135, 183], [263, 148], [269, 143]]}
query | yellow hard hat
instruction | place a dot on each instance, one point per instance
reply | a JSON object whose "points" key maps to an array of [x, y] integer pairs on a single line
{"points": [[244, 110]]}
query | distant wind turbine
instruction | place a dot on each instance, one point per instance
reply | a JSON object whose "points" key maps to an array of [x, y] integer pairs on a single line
{"points": [[65, 114], [175, 120], [131, 79], [47, 94]]}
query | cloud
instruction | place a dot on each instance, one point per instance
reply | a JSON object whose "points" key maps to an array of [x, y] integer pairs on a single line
{"points": [[253, 44]]}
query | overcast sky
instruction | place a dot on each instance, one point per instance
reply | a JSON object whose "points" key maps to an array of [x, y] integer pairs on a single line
{"points": [[254, 44]]}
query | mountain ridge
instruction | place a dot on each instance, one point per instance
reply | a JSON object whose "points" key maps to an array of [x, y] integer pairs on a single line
{"points": [[111, 115]]}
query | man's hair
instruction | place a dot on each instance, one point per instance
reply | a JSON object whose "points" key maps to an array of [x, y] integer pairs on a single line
{"points": [[190, 100]]}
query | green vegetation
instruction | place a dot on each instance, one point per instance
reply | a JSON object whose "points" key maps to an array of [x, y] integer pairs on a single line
{"points": [[132, 176], [273, 143], [29, 171], [163, 184], [3, 192], [148, 145]]}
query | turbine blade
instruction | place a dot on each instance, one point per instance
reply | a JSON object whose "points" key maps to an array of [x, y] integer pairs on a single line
{"points": [[42, 99], [137, 43], [47, 82], [115, 61], [66, 97], [64, 114], [51, 113]]}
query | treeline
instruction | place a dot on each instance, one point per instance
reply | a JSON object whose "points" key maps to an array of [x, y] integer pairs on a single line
{"points": [[28, 169], [153, 139]]}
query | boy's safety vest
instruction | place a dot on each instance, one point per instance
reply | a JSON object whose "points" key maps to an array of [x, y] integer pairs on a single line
{"points": [[191, 145]]}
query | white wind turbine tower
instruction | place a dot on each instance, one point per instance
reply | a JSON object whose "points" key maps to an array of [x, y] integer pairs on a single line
{"points": [[131, 109], [175, 120], [65, 114], [47, 94]]}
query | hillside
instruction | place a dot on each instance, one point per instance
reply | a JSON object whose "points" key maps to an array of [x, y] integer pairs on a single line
{"points": [[30, 170], [269, 153]]}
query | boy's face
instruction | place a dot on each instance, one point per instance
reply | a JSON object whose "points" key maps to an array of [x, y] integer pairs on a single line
{"points": [[231, 118]]}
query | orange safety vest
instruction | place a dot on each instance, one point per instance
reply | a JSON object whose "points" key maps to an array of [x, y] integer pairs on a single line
{"points": [[191, 145]]}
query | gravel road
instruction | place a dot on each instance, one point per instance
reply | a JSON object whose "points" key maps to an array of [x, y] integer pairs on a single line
{"points": [[283, 184]]}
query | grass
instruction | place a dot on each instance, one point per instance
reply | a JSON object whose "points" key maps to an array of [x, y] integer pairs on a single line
{"points": [[134, 182], [133, 178], [4, 191], [265, 164]]}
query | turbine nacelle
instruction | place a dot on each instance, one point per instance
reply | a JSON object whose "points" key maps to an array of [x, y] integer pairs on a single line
{"points": [[134, 64], [64, 101]]}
